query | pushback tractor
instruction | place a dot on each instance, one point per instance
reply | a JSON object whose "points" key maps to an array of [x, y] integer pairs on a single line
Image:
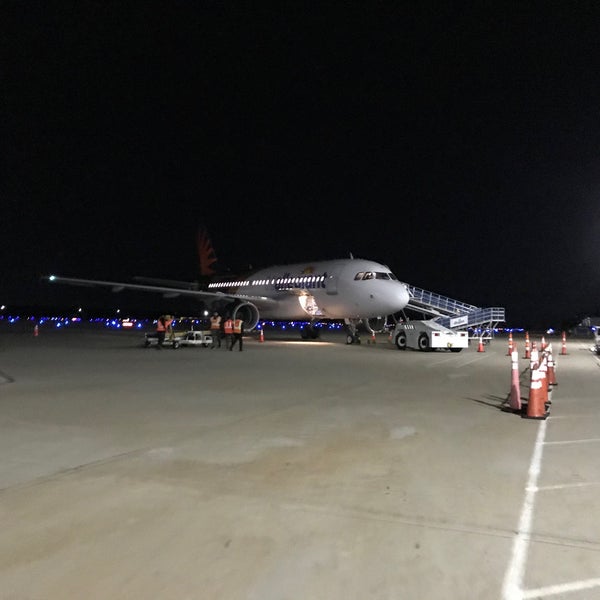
{"points": [[428, 335]]}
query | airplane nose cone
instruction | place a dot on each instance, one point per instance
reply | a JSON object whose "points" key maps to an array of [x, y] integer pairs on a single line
{"points": [[403, 296]]}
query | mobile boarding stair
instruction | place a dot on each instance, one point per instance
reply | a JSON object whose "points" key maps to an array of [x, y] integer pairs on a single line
{"points": [[454, 314]]}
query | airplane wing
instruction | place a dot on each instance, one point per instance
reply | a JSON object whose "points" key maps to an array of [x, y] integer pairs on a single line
{"points": [[167, 292]]}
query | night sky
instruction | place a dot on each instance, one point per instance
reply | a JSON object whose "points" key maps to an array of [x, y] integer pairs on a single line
{"points": [[459, 146]]}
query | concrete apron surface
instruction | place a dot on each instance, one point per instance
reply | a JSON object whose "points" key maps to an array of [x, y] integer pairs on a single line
{"points": [[292, 470]]}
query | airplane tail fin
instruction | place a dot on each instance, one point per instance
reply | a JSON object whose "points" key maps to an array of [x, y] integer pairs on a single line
{"points": [[206, 253]]}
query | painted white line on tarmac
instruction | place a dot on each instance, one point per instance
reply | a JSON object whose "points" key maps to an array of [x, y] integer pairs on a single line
{"points": [[441, 362], [453, 358], [470, 361], [587, 417], [512, 587], [564, 442], [565, 486], [563, 588]]}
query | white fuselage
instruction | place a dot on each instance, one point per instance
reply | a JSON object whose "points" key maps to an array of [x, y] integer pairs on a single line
{"points": [[333, 289]]}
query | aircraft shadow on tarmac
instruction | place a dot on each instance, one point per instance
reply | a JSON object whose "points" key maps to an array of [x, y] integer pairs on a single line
{"points": [[4, 378]]}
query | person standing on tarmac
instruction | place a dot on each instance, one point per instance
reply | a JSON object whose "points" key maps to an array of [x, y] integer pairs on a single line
{"points": [[163, 326], [161, 330], [228, 330], [238, 333], [215, 330], [169, 325]]}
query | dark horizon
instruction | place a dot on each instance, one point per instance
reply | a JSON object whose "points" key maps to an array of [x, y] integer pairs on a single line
{"points": [[457, 147]]}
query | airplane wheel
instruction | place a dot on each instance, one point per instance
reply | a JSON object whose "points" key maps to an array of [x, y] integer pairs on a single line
{"points": [[423, 343], [401, 341], [350, 339]]}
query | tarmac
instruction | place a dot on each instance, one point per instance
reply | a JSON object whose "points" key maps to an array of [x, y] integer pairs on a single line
{"points": [[295, 470]]}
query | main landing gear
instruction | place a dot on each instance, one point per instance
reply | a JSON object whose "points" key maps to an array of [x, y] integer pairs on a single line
{"points": [[309, 332]]}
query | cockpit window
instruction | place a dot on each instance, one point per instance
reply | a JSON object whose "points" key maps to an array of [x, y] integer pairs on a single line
{"points": [[375, 275]]}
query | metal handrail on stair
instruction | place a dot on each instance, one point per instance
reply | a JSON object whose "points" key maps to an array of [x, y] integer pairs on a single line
{"points": [[454, 314]]}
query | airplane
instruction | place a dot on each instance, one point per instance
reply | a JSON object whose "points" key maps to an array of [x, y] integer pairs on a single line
{"points": [[349, 289]]}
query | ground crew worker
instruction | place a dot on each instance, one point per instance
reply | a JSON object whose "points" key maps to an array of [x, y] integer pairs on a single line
{"points": [[215, 330], [161, 330], [228, 330], [163, 326], [169, 325], [238, 332]]}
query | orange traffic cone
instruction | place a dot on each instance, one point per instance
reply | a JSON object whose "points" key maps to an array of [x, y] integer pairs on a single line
{"points": [[510, 344], [480, 348], [544, 375], [527, 346], [551, 371], [36, 331], [536, 407], [534, 358], [373, 338], [564, 344], [515, 387], [543, 346], [262, 336]]}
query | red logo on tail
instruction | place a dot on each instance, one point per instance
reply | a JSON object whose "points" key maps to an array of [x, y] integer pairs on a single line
{"points": [[206, 253]]}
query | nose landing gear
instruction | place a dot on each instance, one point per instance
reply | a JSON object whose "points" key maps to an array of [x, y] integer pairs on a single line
{"points": [[351, 326]]}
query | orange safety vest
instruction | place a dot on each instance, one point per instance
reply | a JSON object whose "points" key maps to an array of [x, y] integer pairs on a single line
{"points": [[215, 322], [160, 326], [228, 326], [237, 326]]}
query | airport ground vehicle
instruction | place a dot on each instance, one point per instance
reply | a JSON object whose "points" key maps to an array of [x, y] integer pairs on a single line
{"points": [[428, 335], [196, 338], [171, 341], [189, 338]]}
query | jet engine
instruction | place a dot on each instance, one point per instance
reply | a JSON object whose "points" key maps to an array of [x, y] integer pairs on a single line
{"points": [[375, 324], [248, 313]]}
